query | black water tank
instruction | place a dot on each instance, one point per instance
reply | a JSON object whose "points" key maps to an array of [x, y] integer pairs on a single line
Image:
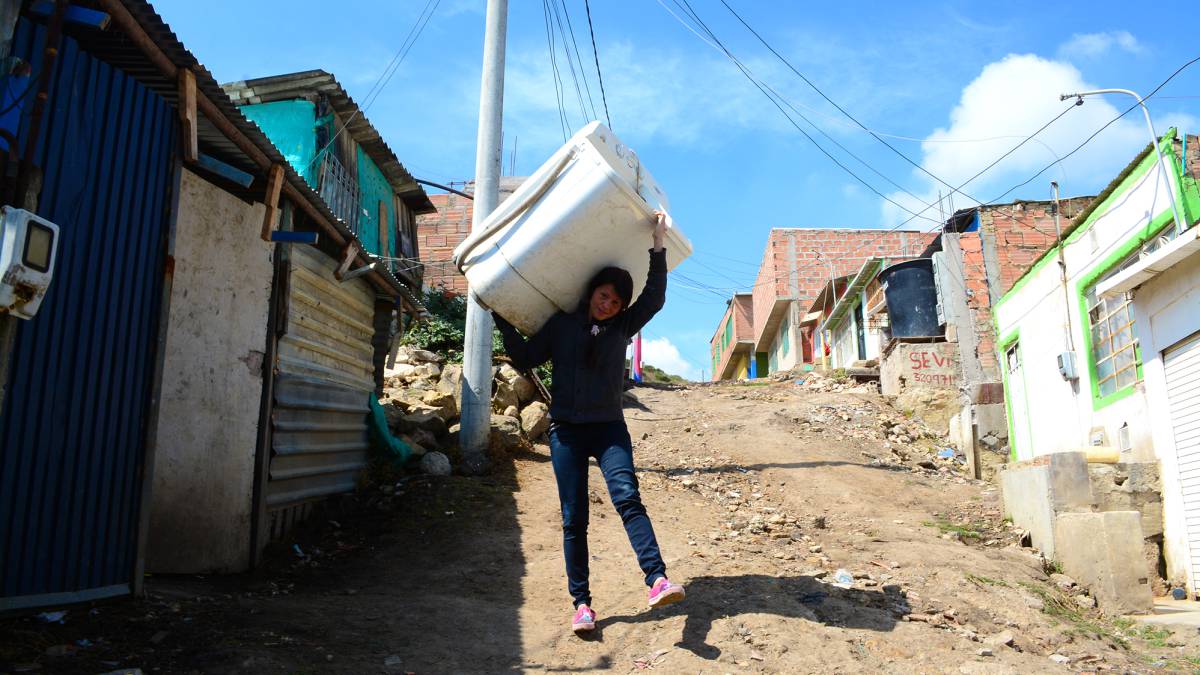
{"points": [[911, 299]]}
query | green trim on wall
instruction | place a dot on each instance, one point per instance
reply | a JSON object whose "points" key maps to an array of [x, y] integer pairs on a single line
{"points": [[1189, 196], [1086, 282], [1008, 408]]}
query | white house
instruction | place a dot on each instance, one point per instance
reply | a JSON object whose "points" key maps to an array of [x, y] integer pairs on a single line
{"points": [[1098, 340]]}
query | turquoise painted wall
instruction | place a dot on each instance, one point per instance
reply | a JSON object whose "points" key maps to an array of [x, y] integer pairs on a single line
{"points": [[291, 126], [373, 187]]}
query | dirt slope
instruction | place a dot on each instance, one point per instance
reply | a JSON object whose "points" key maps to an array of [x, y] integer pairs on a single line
{"points": [[759, 496]]}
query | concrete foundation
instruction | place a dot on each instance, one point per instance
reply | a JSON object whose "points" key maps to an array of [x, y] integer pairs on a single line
{"points": [[1104, 552], [1036, 491]]}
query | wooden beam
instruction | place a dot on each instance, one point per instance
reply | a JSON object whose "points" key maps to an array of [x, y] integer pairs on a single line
{"points": [[274, 185], [348, 255], [286, 237], [187, 115], [226, 171], [127, 24]]}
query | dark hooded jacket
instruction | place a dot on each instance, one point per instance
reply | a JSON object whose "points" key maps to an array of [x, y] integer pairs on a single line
{"points": [[580, 392]]}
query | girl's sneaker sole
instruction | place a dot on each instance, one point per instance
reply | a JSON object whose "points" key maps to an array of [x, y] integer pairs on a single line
{"points": [[583, 627], [668, 598]]}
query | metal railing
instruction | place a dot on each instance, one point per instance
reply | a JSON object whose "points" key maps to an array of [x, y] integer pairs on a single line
{"points": [[340, 191]]}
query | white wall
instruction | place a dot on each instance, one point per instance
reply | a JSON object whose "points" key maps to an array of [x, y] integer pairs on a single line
{"points": [[1166, 311], [212, 385], [783, 362], [1058, 415], [845, 339]]}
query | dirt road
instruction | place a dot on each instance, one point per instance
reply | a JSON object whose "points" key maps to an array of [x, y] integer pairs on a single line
{"points": [[759, 495]]}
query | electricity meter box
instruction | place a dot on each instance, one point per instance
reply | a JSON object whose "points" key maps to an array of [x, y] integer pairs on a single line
{"points": [[28, 248], [1066, 366]]}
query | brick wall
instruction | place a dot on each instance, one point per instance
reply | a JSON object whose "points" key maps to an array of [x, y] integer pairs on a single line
{"points": [[741, 307], [437, 236], [439, 233], [819, 253], [743, 317], [1022, 232]]}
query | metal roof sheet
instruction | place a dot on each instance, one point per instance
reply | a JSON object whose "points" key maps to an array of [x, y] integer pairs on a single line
{"points": [[122, 51], [309, 83]]}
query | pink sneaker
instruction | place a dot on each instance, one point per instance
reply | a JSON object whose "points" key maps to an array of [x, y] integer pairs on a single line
{"points": [[665, 593], [585, 619]]}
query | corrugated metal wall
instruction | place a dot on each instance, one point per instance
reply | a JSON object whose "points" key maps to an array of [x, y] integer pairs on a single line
{"points": [[325, 376], [72, 436]]}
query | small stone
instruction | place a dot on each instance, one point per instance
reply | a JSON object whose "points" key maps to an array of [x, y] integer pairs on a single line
{"points": [[1086, 601], [755, 656], [985, 651], [435, 464], [1063, 581], [816, 548], [1001, 639], [1060, 659], [392, 662], [535, 419], [819, 522]]}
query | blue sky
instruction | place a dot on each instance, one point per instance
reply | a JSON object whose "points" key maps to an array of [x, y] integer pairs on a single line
{"points": [[950, 85]]}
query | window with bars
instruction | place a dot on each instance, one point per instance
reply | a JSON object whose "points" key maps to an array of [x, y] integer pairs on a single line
{"points": [[1113, 348]]}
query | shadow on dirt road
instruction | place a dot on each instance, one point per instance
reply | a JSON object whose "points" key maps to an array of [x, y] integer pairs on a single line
{"points": [[804, 597]]}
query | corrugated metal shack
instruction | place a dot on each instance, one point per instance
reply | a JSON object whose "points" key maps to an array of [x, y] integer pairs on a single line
{"points": [[327, 365], [139, 151]]}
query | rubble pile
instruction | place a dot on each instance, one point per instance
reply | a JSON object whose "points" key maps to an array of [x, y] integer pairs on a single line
{"points": [[423, 400], [814, 381]]}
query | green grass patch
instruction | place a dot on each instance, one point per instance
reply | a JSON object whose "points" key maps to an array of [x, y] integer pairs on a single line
{"points": [[1082, 622], [964, 530], [985, 581]]}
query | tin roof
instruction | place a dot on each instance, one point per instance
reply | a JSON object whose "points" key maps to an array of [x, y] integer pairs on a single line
{"points": [[309, 83], [124, 52]]}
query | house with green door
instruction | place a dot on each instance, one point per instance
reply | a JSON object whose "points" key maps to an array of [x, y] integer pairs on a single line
{"points": [[1099, 346]]}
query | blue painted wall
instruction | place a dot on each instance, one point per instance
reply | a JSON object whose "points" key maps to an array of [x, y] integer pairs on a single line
{"points": [[291, 126], [373, 187]]}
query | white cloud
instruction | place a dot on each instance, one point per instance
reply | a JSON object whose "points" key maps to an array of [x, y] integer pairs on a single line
{"points": [[683, 99], [1091, 45], [1009, 100], [662, 353]]}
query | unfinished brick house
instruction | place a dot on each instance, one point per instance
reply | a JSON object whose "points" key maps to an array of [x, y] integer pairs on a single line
{"points": [[796, 265], [732, 346], [978, 257], [440, 232]]}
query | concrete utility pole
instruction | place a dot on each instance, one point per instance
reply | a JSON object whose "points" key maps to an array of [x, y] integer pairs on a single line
{"points": [[1180, 226], [477, 350]]}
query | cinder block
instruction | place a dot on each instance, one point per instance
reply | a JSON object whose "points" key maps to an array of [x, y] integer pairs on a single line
{"points": [[1104, 552]]}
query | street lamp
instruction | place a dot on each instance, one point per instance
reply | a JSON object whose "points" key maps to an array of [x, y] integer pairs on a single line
{"points": [[1179, 223]]}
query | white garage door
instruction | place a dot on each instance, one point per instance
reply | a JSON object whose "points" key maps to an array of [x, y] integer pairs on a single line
{"points": [[1182, 363]]}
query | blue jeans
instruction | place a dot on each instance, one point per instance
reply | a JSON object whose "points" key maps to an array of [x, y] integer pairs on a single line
{"points": [[571, 445]]}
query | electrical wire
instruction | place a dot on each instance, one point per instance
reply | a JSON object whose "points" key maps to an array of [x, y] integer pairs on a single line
{"points": [[578, 57], [558, 97], [835, 104], [570, 61], [767, 91], [1097, 132], [376, 89], [596, 53]]}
